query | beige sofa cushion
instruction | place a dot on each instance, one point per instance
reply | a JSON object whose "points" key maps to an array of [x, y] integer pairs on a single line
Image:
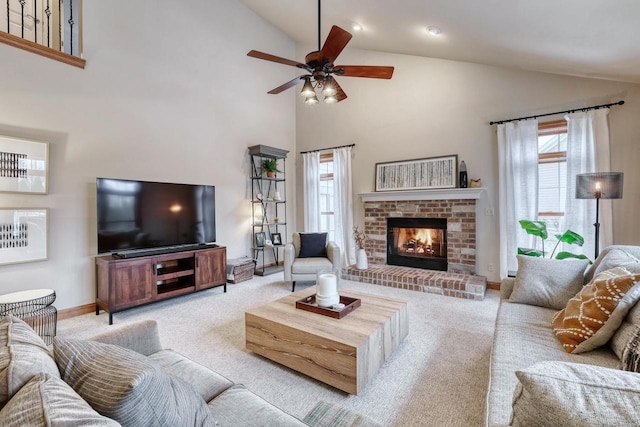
{"points": [[207, 383], [127, 386], [46, 400], [23, 354], [595, 313], [546, 282], [573, 395], [311, 265]]}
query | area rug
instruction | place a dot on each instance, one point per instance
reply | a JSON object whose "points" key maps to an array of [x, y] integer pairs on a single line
{"points": [[437, 377]]}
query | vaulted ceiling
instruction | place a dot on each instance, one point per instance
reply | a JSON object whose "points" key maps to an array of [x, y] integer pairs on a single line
{"points": [[590, 38]]}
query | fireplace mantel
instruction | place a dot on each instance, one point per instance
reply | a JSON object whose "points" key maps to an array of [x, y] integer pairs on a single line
{"points": [[440, 194]]}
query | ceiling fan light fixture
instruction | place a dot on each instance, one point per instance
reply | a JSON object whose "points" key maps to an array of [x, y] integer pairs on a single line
{"points": [[331, 99], [329, 88], [311, 100], [356, 27], [307, 89]]}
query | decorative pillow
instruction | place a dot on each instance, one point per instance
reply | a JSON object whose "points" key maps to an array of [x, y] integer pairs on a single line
{"points": [[23, 354], [631, 354], [547, 282], [329, 415], [596, 312], [618, 258], [313, 245], [127, 386], [49, 401], [575, 395]]}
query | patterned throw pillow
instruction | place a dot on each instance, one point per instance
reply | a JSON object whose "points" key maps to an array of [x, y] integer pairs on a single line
{"points": [[127, 386], [49, 401], [592, 317], [617, 258], [23, 354]]}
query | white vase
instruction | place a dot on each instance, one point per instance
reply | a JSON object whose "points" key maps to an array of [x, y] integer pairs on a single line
{"points": [[361, 260]]}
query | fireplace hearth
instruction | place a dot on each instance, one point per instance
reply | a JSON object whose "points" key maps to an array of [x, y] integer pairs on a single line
{"points": [[417, 242]]}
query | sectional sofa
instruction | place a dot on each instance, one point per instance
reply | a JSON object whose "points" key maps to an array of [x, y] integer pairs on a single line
{"points": [[531, 372]]}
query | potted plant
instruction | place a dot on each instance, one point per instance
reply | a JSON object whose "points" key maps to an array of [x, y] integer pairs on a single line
{"points": [[270, 166], [539, 229], [361, 257]]}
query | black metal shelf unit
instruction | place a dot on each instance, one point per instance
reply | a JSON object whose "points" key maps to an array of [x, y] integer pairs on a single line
{"points": [[268, 209]]}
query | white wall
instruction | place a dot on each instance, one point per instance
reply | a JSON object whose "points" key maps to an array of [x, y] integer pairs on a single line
{"points": [[168, 94], [435, 107]]}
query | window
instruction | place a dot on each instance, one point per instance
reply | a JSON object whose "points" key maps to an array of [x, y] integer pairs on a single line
{"points": [[552, 175], [327, 223]]}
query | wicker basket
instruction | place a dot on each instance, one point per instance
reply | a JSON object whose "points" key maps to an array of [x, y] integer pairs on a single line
{"points": [[243, 272]]}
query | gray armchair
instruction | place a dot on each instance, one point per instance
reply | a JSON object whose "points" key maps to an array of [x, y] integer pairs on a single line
{"points": [[296, 268]]}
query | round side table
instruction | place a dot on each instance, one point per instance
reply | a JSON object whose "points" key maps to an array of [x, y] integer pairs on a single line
{"points": [[34, 307]]}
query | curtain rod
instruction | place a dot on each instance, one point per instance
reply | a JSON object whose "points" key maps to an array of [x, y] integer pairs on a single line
{"points": [[330, 148], [595, 107]]}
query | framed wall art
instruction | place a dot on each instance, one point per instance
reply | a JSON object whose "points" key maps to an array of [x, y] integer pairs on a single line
{"points": [[24, 166], [23, 235], [418, 174], [261, 237]]}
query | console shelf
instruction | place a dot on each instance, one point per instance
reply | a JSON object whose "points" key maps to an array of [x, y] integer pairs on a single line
{"points": [[123, 283]]}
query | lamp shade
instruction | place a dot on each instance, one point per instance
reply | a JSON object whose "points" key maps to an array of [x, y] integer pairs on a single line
{"points": [[599, 185]]}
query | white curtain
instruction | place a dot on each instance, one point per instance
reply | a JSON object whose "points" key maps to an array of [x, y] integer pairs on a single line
{"points": [[518, 178], [587, 151], [343, 204], [311, 172]]}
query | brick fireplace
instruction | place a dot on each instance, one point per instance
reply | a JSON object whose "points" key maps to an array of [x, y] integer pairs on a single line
{"points": [[457, 207]]}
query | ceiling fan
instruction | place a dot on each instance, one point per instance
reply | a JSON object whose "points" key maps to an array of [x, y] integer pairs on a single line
{"points": [[320, 68]]}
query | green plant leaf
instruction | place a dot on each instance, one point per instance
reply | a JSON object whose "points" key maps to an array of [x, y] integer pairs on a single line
{"points": [[529, 252], [565, 255], [571, 238], [535, 228]]}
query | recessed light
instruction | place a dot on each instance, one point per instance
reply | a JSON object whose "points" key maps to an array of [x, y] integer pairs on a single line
{"points": [[434, 31], [356, 27]]}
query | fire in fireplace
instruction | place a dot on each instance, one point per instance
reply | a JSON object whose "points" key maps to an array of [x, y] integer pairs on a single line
{"points": [[417, 242]]}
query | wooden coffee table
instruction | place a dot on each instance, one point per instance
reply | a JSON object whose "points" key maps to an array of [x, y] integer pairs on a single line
{"points": [[344, 353]]}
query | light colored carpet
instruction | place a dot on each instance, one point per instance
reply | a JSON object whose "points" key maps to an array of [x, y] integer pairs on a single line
{"points": [[437, 377]]}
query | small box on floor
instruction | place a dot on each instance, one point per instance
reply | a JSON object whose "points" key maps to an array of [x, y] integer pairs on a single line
{"points": [[240, 269]]}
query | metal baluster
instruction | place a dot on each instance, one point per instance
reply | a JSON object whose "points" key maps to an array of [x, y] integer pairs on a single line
{"points": [[60, 24], [35, 21], [22, 2], [8, 23], [71, 26], [47, 11]]}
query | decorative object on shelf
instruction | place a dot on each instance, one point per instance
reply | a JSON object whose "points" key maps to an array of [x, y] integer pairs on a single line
{"points": [[270, 167], [360, 238], [539, 229], [599, 185], [260, 239], [268, 243], [276, 196], [276, 220], [23, 235], [475, 183], [419, 174], [277, 239], [259, 196], [463, 175], [327, 289], [319, 65], [24, 166]]}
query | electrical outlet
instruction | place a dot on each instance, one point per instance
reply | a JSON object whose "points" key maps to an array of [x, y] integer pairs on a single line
{"points": [[489, 212], [491, 267]]}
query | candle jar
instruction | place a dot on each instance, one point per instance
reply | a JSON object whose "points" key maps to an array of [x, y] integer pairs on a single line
{"points": [[327, 289]]}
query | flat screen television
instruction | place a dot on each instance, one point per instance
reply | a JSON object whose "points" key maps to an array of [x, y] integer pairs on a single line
{"points": [[139, 215]]}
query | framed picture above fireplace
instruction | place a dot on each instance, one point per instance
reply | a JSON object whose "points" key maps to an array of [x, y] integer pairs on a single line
{"points": [[418, 174]]}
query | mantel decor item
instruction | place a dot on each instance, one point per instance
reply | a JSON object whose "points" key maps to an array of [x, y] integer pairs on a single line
{"points": [[418, 174], [23, 235], [599, 185], [24, 166]]}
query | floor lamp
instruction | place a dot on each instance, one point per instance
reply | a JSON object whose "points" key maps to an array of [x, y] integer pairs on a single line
{"points": [[599, 185]]}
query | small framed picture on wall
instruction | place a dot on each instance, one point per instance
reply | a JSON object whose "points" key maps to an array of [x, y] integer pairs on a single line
{"points": [[276, 238], [260, 238]]}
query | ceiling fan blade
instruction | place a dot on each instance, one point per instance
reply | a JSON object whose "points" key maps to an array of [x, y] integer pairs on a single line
{"points": [[273, 58], [287, 85], [335, 43], [340, 95], [370, 71]]}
